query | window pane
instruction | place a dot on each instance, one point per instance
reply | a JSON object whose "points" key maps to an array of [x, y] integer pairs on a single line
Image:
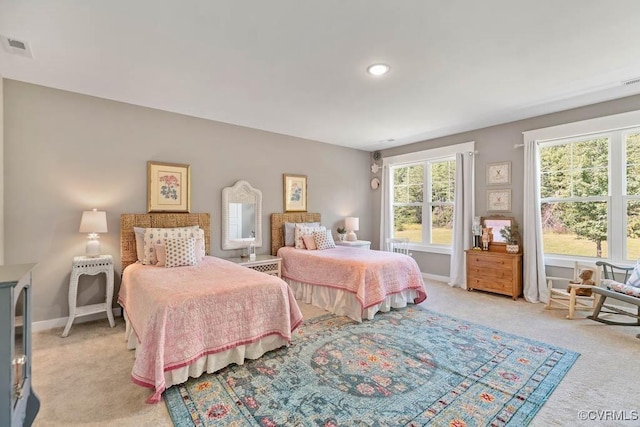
{"points": [[633, 164], [442, 229], [633, 229], [407, 222], [408, 184], [576, 169], [576, 228], [442, 181]]}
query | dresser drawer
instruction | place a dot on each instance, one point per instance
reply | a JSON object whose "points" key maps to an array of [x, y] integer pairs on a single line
{"points": [[489, 262], [489, 284], [494, 273]]}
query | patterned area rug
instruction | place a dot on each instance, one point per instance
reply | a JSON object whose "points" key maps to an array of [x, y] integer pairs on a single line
{"points": [[408, 367]]}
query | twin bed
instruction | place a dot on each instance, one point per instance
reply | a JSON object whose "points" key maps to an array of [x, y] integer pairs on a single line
{"points": [[188, 320], [185, 321], [346, 281]]}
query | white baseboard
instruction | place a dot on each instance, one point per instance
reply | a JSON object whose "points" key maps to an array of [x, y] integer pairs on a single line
{"points": [[62, 321], [429, 276]]}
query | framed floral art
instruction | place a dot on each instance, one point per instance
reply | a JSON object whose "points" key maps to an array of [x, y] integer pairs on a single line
{"points": [[168, 187], [295, 193]]}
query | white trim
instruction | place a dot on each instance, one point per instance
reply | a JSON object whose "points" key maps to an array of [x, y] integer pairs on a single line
{"points": [[433, 249], [60, 322], [436, 277], [431, 154], [570, 262], [584, 127]]}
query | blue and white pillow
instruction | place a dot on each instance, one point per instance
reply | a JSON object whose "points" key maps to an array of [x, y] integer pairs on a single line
{"points": [[323, 239], [634, 279], [180, 252]]}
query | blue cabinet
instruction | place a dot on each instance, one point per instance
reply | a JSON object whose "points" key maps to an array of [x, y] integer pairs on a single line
{"points": [[18, 403]]}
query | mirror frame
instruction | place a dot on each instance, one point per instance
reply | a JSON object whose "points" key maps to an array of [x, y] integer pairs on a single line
{"points": [[506, 220], [241, 192]]}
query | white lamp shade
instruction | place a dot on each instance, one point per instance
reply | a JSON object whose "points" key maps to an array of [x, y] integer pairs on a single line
{"points": [[352, 223], [94, 221]]}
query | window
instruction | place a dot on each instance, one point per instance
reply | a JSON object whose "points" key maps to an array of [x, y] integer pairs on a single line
{"points": [[422, 196], [590, 195]]}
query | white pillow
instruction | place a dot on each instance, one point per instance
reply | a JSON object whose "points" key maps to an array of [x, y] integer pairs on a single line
{"points": [[324, 239], [161, 251], [139, 242], [154, 236], [304, 230], [289, 231], [180, 252], [634, 279]]}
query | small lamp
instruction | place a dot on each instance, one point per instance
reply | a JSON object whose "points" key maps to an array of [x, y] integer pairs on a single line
{"points": [[93, 222], [352, 223]]}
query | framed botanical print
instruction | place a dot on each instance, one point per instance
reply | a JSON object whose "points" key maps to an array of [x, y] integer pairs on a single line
{"points": [[168, 187], [499, 200], [499, 173], [295, 193]]}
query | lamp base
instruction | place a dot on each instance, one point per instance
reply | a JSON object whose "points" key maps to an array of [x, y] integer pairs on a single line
{"points": [[351, 236], [92, 249]]}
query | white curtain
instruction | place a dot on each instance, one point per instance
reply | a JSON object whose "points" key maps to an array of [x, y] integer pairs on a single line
{"points": [[534, 278], [385, 207], [462, 219]]}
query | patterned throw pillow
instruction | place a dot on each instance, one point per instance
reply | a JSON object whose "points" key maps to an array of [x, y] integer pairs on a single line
{"points": [[180, 252], [155, 236], [161, 251], [304, 230], [324, 239], [626, 289], [634, 279]]}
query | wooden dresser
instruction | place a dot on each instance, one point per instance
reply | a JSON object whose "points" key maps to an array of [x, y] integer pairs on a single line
{"points": [[497, 272]]}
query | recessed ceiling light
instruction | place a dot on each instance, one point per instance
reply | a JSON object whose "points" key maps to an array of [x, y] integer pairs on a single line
{"points": [[378, 69]]}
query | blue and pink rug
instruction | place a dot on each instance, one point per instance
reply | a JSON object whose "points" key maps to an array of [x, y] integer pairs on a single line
{"points": [[409, 367]]}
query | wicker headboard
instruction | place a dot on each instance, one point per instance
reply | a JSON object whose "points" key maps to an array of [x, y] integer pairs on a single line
{"points": [[277, 226], [157, 220]]}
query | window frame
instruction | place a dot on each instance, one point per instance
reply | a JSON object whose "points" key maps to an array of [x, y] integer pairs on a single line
{"points": [[618, 124], [426, 157]]}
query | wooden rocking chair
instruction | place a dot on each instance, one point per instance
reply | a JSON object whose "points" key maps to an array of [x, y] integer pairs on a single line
{"points": [[567, 296], [620, 274]]}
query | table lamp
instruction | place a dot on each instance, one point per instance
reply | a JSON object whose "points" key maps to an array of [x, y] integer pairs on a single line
{"points": [[93, 222], [352, 224]]}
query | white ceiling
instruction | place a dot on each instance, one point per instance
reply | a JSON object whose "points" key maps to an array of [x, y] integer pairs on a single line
{"points": [[297, 67]]}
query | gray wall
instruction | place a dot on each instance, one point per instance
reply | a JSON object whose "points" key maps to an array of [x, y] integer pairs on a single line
{"points": [[1, 174], [65, 153], [496, 143]]}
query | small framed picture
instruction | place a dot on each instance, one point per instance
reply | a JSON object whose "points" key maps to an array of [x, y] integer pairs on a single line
{"points": [[168, 187], [295, 193], [499, 173], [499, 200]]}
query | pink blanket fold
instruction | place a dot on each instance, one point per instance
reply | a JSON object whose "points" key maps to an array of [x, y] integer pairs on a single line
{"points": [[181, 314], [371, 275]]}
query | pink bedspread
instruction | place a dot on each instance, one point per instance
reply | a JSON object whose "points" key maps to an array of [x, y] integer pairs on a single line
{"points": [[181, 314], [371, 275]]}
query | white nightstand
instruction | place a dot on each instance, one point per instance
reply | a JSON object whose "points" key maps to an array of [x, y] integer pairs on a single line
{"points": [[360, 244], [91, 266], [268, 264]]}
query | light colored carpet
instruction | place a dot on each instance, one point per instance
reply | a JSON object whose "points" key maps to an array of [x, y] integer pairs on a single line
{"points": [[83, 380]]}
